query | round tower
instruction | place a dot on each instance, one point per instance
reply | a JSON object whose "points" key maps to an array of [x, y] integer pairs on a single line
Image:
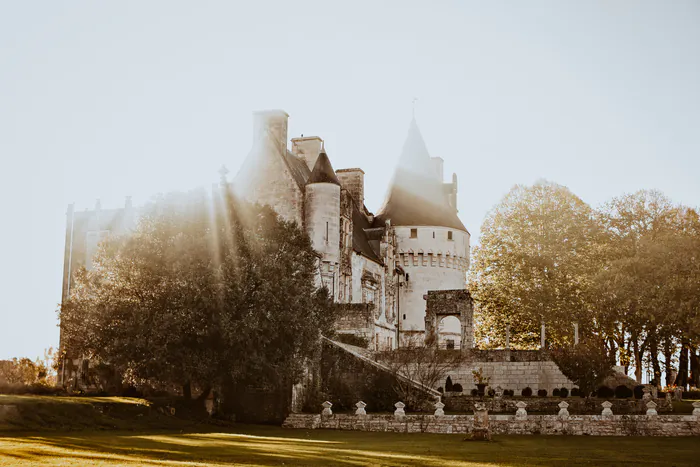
{"points": [[322, 220], [432, 242]]}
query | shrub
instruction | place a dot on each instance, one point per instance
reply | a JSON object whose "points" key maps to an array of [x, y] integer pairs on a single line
{"points": [[448, 384], [556, 392], [440, 390], [542, 393], [457, 387], [563, 392], [638, 391], [575, 392], [509, 392], [491, 393], [586, 364], [604, 392], [623, 392], [527, 392], [475, 392], [695, 395]]}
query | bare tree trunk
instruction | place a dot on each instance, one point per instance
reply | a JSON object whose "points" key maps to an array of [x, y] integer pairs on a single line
{"points": [[668, 356], [654, 353], [682, 378], [637, 360], [694, 366]]}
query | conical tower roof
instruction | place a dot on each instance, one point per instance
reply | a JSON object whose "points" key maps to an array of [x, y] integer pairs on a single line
{"points": [[417, 195], [323, 171]]}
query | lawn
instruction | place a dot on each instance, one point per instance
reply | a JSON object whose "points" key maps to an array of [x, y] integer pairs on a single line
{"points": [[267, 445]]}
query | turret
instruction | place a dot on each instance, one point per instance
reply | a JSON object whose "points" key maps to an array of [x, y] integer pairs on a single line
{"points": [[322, 219]]}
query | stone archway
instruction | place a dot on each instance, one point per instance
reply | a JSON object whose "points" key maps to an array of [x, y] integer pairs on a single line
{"points": [[442, 303]]}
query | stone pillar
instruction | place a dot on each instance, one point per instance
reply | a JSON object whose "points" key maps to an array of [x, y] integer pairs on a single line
{"points": [[521, 413], [646, 393], [651, 409], [678, 394], [542, 336], [439, 406], [606, 409], [696, 409], [399, 412], [563, 412], [360, 408], [575, 333], [327, 408], [481, 429]]}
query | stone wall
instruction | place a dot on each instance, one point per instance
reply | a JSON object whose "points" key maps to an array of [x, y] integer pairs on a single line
{"points": [[357, 319], [515, 375], [594, 425]]}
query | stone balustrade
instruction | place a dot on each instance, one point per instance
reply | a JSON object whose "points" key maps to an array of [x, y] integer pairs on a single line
{"points": [[605, 424]]}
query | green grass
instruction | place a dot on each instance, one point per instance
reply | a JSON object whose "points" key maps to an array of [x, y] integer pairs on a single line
{"points": [[266, 445]]}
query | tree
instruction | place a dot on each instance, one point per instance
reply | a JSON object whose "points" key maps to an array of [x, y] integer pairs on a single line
{"points": [[642, 295], [538, 248], [586, 364], [205, 293]]}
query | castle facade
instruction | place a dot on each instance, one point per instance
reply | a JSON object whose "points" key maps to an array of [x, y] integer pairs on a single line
{"points": [[415, 243]]}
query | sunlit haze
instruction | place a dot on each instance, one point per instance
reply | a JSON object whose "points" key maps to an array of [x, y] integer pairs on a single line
{"points": [[102, 100]]}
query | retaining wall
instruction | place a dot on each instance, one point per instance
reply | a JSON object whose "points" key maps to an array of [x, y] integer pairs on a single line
{"points": [[594, 425]]}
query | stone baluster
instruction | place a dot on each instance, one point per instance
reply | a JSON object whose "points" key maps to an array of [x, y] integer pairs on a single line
{"points": [[521, 413], [563, 412], [360, 408], [327, 408], [651, 408], [399, 412], [696, 409], [646, 393], [439, 406], [606, 409]]}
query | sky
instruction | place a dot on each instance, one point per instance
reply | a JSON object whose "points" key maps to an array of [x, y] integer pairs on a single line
{"points": [[133, 98]]}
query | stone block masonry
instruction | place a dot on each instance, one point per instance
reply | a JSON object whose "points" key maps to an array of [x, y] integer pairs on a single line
{"points": [[592, 425]]}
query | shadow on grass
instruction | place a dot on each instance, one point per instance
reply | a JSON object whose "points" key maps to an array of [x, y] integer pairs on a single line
{"points": [[260, 445]]}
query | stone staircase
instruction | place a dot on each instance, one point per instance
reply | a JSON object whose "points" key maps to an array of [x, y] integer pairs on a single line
{"points": [[301, 420]]}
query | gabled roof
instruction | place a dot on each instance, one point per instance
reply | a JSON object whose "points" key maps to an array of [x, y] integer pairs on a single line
{"points": [[323, 171], [416, 196]]}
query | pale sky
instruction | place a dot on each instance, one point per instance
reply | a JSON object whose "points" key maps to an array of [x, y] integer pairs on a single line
{"points": [[114, 98]]}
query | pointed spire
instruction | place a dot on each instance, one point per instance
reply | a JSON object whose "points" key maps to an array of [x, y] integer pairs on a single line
{"points": [[323, 171], [416, 196]]}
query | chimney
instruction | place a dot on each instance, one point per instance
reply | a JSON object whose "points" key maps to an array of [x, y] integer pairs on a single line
{"points": [[272, 124], [353, 180], [308, 147], [438, 164]]}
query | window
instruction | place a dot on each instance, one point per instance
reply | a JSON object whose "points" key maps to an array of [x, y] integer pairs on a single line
{"points": [[450, 344], [327, 232], [449, 235], [414, 233], [433, 234]]}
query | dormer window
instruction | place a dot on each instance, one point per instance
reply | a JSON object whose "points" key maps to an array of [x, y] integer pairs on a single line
{"points": [[449, 235], [414, 233]]}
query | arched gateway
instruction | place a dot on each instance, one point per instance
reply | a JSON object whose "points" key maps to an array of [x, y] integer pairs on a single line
{"points": [[442, 303]]}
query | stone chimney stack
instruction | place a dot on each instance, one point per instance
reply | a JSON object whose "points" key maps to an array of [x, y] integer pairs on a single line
{"points": [[272, 124], [307, 147], [353, 180]]}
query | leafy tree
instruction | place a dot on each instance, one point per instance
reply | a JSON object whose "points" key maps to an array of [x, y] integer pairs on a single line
{"points": [[538, 249], [205, 293], [586, 364]]}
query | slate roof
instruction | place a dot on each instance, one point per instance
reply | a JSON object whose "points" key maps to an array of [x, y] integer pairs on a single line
{"points": [[360, 241], [323, 171], [416, 196], [298, 168]]}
